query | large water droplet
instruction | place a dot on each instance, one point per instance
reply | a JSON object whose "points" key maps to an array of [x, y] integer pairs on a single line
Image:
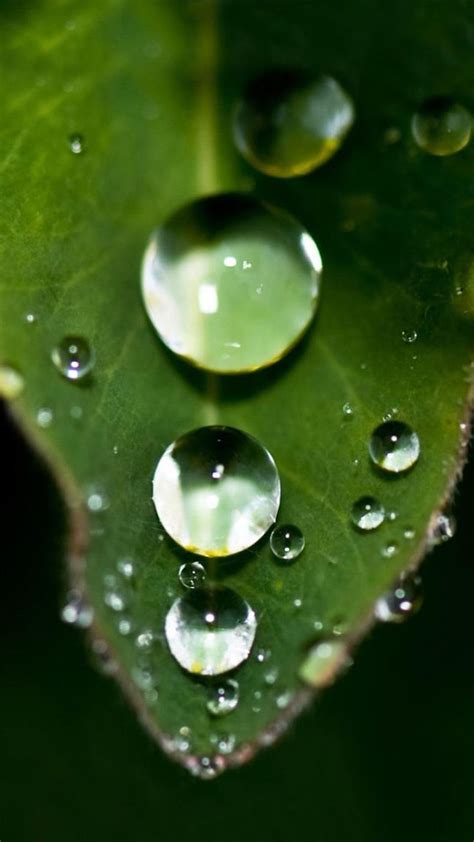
{"points": [[73, 357], [442, 126], [210, 632], [223, 698], [216, 491], [287, 542], [230, 283], [367, 513], [11, 382], [401, 602], [394, 446], [287, 124], [192, 574]]}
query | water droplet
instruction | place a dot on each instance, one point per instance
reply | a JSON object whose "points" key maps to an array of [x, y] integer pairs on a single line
{"points": [[126, 567], [207, 767], [144, 641], [192, 574], [77, 612], [97, 500], [442, 126], [210, 632], [409, 533], [263, 655], [401, 602], [73, 357], [44, 417], [394, 446], [287, 542], [30, 318], [391, 516], [283, 699], [76, 412], [409, 336], [231, 318], [76, 144], [322, 662], [225, 743], [216, 491], [287, 124], [114, 600], [103, 657], [223, 698], [390, 549], [444, 529], [11, 382], [298, 603], [271, 676], [124, 626], [347, 411], [367, 513]]}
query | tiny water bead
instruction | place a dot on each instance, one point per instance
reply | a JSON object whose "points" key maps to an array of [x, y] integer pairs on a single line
{"points": [[402, 601], [367, 513], [287, 542], [192, 574], [409, 336], [73, 357], [444, 529], [76, 143], [77, 611], [288, 123], [216, 491], [223, 698], [442, 126], [210, 632], [322, 662], [394, 447], [347, 411], [44, 417], [230, 283], [11, 382]]}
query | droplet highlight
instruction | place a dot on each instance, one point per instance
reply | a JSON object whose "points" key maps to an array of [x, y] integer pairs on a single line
{"points": [[394, 447], [442, 126]]}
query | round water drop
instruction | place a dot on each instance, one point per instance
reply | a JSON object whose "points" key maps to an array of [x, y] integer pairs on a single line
{"points": [[287, 542], [11, 382], [231, 284], [444, 529], [401, 602], [394, 447], [442, 126], [44, 417], [77, 612], [73, 357], [390, 549], [76, 144], [223, 698], [192, 574], [347, 411], [210, 632], [409, 336], [367, 513], [216, 491], [287, 123]]}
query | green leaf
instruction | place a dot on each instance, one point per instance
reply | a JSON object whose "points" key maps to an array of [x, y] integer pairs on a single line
{"points": [[151, 88]]}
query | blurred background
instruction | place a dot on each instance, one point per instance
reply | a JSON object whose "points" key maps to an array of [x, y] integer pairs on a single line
{"points": [[385, 756]]}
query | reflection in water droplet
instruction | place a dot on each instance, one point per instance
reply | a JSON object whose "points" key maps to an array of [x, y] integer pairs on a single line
{"points": [[394, 446], [192, 574], [367, 513], [216, 491], [442, 126], [77, 612], [322, 662], [223, 698], [347, 411], [11, 382], [390, 549], [76, 144], [288, 124], [287, 542], [401, 602], [444, 529], [210, 632], [73, 357], [223, 317], [44, 417], [409, 336]]}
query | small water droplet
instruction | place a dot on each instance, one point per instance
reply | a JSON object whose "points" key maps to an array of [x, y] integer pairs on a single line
{"points": [[391, 516], [144, 641], [225, 743], [444, 529], [30, 318], [77, 612], [287, 123], [283, 699], [235, 324], [11, 382], [192, 574], [124, 626], [223, 698], [103, 657], [390, 549], [97, 500], [347, 411], [442, 126], [207, 767], [44, 417], [115, 449], [73, 357], [367, 513], [298, 603], [271, 676], [114, 600], [216, 516], [210, 632], [76, 143], [394, 446], [322, 662], [402, 601], [409, 533], [287, 542], [409, 336], [76, 412], [263, 655], [126, 567]]}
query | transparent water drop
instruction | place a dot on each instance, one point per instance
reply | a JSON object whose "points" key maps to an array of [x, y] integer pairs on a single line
{"points": [[210, 632], [73, 357], [367, 513], [126, 567], [144, 641], [216, 491], [322, 662], [409, 336], [76, 143], [106, 663], [442, 126], [390, 549], [271, 676], [223, 698], [96, 499], [124, 626], [11, 382], [44, 417], [347, 411], [76, 412], [225, 743], [30, 318], [297, 603], [231, 318], [77, 612], [409, 533], [402, 601], [394, 446], [392, 515], [207, 767], [114, 600], [287, 123], [263, 655], [444, 529], [283, 699], [287, 542], [192, 574]]}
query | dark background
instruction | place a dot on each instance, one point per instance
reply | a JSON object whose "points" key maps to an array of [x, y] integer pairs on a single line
{"points": [[386, 756]]}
